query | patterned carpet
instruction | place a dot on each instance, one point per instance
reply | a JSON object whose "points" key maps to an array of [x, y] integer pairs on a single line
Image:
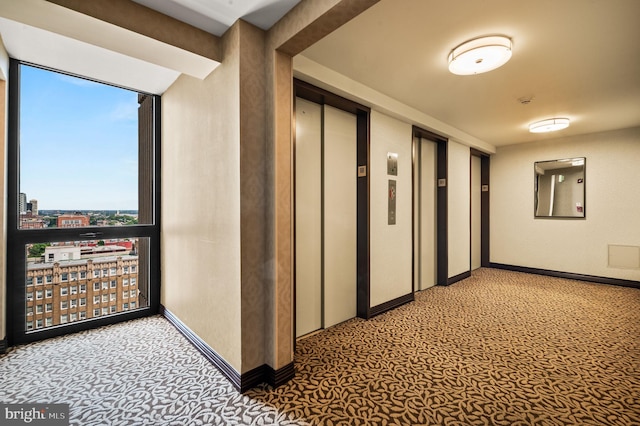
{"points": [[500, 348]]}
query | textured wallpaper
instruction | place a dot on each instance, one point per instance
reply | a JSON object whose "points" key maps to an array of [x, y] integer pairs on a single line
{"points": [[201, 204], [252, 192]]}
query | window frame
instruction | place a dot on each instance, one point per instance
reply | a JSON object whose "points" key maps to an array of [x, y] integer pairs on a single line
{"points": [[17, 239]]}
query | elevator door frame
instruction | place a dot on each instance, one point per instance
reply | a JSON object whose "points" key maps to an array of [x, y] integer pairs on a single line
{"points": [[484, 206], [320, 96], [418, 205], [442, 243]]}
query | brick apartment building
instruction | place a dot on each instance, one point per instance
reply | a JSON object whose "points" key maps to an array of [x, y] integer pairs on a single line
{"points": [[73, 221], [31, 221], [75, 289]]}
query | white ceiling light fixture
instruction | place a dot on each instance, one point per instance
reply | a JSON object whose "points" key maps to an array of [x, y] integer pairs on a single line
{"points": [[480, 55], [549, 125]]}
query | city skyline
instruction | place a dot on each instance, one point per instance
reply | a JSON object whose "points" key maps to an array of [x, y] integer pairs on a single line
{"points": [[78, 143], [30, 199]]}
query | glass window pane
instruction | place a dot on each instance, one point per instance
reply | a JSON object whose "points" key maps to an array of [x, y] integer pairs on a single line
{"points": [[80, 153]]}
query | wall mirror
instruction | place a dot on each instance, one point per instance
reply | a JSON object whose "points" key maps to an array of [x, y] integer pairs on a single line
{"points": [[560, 188]]}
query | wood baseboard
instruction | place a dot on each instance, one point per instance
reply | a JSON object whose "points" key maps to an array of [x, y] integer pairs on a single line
{"points": [[391, 304], [569, 275], [458, 277], [242, 382]]}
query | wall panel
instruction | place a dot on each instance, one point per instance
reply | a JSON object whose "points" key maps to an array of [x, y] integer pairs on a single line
{"points": [[391, 245]]}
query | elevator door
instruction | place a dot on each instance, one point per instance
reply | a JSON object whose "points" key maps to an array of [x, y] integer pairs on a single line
{"points": [[308, 201], [425, 214], [476, 213], [340, 216], [326, 232]]}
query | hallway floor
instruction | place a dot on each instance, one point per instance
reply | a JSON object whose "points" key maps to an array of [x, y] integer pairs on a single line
{"points": [[499, 348]]}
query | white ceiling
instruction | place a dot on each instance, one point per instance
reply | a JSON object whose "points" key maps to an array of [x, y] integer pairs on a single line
{"points": [[47, 34], [216, 16], [578, 59], [38, 46]]}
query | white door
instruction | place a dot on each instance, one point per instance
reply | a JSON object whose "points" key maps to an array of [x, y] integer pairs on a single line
{"points": [[426, 228], [476, 213]]}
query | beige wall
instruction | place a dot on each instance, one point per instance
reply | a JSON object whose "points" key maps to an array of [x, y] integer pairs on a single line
{"points": [[391, 251], [568, 245], [213, 209], [201, 221], [253, 193]]}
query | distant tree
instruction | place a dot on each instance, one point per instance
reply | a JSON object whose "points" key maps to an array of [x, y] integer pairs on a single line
{"points": [[101, 242], [37, 250], [129, 220]]}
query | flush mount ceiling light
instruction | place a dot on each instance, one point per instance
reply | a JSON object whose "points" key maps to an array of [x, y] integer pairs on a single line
{"points": [[550, 125], [480, 55]]}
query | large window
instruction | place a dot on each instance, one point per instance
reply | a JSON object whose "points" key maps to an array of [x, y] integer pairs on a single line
{"points": [[83, 203]]}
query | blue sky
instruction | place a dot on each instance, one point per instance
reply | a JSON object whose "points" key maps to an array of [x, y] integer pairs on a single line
{"points": [[78, 143]]}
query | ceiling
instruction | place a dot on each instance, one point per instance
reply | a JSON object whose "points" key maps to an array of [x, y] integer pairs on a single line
{"points": [[53, 36], [31, 44], [216, 16], [575, 58]]}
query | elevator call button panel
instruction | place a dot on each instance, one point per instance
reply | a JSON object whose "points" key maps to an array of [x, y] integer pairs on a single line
{"points": [[392, 202]]}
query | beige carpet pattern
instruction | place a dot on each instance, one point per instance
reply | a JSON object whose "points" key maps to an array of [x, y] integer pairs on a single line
{"points": [[499, 348]]}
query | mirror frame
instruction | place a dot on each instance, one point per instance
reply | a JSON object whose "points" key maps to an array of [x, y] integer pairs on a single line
{"points": [[569, 162]]}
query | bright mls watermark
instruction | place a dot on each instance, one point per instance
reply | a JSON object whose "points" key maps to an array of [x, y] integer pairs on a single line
{"points": [[34, 414]]}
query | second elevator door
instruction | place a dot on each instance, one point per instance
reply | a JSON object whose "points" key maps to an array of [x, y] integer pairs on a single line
{"points": [[426, 230], [326, 216], [476, 214]]}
